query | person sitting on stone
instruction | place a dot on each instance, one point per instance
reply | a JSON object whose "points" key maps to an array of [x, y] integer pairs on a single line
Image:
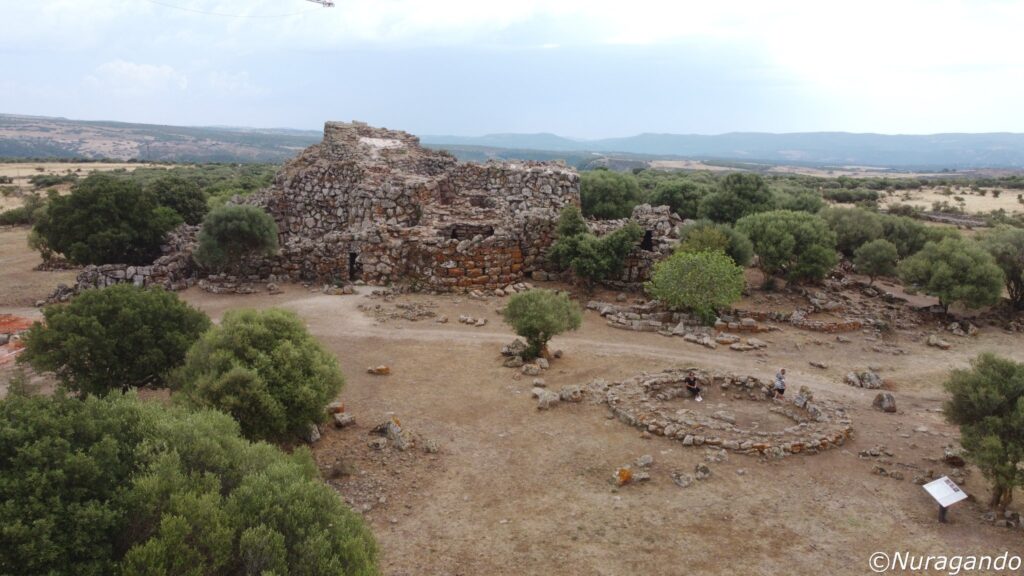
{"points": [[693, 386], [779, 386]]}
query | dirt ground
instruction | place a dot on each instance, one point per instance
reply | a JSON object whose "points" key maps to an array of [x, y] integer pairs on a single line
{"points": [[514, 490]]}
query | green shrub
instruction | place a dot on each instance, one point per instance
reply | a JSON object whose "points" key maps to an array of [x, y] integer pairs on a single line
{"points": [[876, 258], [32, 209], [231, 234], [704, 235], [120, 486], [907, 234], [954, 270], [797, 244], [114, 338], [181, 195], [539, 315], [265, 370], [987, 402], [702, 282], [1006, 245], [738, 195], [681, 196], [106, 219], [590, 258], [608, 195], [853, 227]]}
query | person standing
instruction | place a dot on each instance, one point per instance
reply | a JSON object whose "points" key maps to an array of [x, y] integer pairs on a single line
{"points": [[779, 386]]}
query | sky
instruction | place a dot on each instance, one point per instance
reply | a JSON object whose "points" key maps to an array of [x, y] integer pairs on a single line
{"points": [[578, 68]]}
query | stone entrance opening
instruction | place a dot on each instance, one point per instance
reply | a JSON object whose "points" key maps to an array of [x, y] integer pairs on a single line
{"points": [[355, 268], [648, 242]]}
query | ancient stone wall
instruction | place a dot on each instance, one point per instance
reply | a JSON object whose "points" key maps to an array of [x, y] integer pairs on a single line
{"points": [[661, 236]]}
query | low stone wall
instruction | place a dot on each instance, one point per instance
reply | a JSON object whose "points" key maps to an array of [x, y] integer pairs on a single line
{"points": [[644, 402], [797, 319]]}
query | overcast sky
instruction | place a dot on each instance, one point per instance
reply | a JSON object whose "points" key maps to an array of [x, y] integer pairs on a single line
{"points": [[579, 68]]}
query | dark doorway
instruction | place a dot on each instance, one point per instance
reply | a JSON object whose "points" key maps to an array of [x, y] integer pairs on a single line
{"points": [[355, 269], [648, 242]]}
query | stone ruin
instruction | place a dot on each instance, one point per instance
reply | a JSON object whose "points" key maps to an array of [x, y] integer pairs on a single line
{"points": [[371, 204], [647, 402]]}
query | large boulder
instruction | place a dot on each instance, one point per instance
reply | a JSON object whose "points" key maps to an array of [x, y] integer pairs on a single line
{"points": [[866, 379], [885, 402]]}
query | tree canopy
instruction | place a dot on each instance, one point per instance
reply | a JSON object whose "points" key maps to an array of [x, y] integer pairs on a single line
{"points": [[681, 196], [114, 338], [702, 282], [115, 485], [954, 270], [233, 233], [853, 227], [739, 194], [538, 315], [106, 220], [182, 195], [264, 369], [1006, 245], [799, 244], [987, 402], [706, 235], [876, 258], [608, 195]]}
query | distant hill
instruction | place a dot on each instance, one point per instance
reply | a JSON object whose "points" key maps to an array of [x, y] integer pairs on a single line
{"points": [[936, 151], [39, 137]]}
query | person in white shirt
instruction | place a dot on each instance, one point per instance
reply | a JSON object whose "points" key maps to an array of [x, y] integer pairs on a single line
{"points": [[779, 386]]}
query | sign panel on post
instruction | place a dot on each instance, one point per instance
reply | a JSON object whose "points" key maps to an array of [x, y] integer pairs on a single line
{"points": [[945, 491]]}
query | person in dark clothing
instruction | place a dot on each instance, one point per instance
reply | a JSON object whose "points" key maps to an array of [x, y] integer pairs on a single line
{"points": [[693, 386]]}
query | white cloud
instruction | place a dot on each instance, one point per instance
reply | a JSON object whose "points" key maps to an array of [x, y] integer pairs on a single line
{"points": [[129, 79]]}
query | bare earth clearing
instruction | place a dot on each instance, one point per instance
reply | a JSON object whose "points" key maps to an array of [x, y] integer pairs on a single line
{"points": [[515, 490], [973, 203]]}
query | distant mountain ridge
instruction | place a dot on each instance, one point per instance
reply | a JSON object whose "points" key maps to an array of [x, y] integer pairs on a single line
{"points": [[954, 150], [44, 137]]}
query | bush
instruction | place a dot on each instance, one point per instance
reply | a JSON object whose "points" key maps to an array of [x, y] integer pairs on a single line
{"points": [[32, 209], [539, 315], [706, 235], [848, 196], [987, 402], [798, 201], [681, 196], [181, 195], [114, 338], [120, 486], [590, 258], [1006, 245], [798, 244], [265, 370], [853, 227], [702, 282], [106, 220], [608, 195], [954, 270], [907, 234], [231, 234], [738, 195], [876, 258]]}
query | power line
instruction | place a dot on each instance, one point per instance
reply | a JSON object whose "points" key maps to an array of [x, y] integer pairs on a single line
{"points": [[208, 13]]}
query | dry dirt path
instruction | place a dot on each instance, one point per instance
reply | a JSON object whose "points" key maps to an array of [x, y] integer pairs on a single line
{"points": [[517, 491]]}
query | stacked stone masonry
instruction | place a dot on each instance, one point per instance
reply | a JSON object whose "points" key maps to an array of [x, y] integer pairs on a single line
{"points": [[646, 402]]}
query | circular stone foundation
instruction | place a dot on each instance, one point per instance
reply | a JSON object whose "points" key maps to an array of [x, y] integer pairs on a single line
{"points": [[737, 413]]}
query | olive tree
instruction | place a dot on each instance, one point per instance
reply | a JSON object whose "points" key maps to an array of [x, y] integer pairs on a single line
{"points": [[182, 195], [264, 369], [853, 227], [681, 196], [954, 270], [876, 258], [706, 235], [987, 402], [114, 338], [1006, 245], [538, 315], [798, 244], [738, 195], [702, 282], [608, 195]]}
